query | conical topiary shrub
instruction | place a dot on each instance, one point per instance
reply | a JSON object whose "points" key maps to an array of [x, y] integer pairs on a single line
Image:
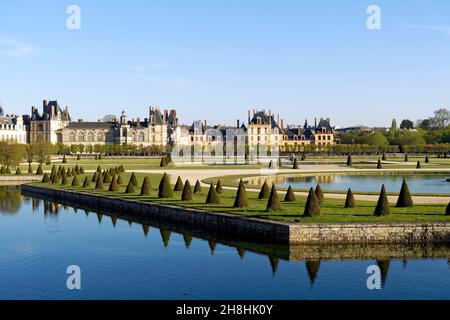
{"points": [[39, 170], [187, 192], [290, 195], [81, 170], [113, 186], [30, 169], [382, 208], [213, 197], [447, 211], [165, 189], [295, 166], [86, 183], [418, 166], [379, 166], [133, 180], [163, 163], [179, 185], [95, 177], [350, 200], [219, 188], [312, 207], [383, 157], [146, 187], [241, 200], [404, 198], [69, 173], [273, 204], [8, 170], [406, 157], [107, 178], [198, 187], [303, 157], [427, 160], [56, 178], [75, 182], [45, 179], [64, 180], [18, 171], [349, 160], [130, 188], [319, 194], [64, 160], [119, 180], [78, 157], [99, 184], [99, 169], [265, 191]]}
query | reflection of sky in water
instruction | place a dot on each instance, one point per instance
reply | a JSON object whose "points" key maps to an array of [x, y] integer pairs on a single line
{"points": [[119, 260], [370, 183]]}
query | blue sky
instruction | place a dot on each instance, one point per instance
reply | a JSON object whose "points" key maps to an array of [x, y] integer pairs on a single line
{"points": [[217, 59]]}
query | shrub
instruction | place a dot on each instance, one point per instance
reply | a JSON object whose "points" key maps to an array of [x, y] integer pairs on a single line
{"points": [[379, 166], [64, 160], [86, 183], [179, 185], [241, 200], [219, 188], [382, 208], [418, 166], [146, 187], [81, 170], [119, 180], [303, 157], [107, 178], [350, 200], [265, 191], [56, 178], [69, 173], [163, 163], [319, 194], [30, 170], [273, 204], [18, 171], [295, 166], [165, 189], [213, 197], [45, 179], [2, 170], [383, 157], [447, 211], [130, 188], [99, 169], [95, 177], [113, 185], [64, 180], [198, 187], [427, 160], [77, 169], [75, 182], [133, 180], [406, 157], [8, 170], [99, 184], [404, 198], [349, 160], [187, 191], [290, 195], [312, 207], [78, 157]]}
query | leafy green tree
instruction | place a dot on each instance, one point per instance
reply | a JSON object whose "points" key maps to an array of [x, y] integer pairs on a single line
{"points": [[407, 124], [382, 208]]}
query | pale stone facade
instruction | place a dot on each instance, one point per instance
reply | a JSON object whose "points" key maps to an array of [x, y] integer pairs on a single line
{"points": [[12, 128]]}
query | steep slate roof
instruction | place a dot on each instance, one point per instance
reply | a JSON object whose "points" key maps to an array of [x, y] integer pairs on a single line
{"points": [[197, 126], [264, 119], [156, 113], [324, 124], [91, 125], [7, 120]]}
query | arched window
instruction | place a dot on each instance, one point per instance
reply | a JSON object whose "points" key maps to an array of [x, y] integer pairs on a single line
{"points": [[80, 137], [141, 137], [40, 127], [100, 137], [90, 137], [72, 137]]}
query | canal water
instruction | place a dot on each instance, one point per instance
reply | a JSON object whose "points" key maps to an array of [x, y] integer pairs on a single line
{"points": [[419, 183], [121, 259]]}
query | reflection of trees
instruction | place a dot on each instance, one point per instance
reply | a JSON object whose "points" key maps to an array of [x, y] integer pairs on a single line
{"points": [[187, 239], [312, 267], [165, 235], [10, 200], [146, 229], [322, 179], [384, 269], [212, 246], [274, 261]]}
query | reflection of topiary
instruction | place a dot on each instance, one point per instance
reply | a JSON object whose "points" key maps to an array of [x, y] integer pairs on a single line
{"points": [[165, 189], [350, 200], [290, 195], [382, 208], [312, 207], [265, 191], [319, 194], [179, 185], [198, 187], [187, 192], [145, 189], [273, 204], [30, 170], [404, 198], [213, 197], [241, 200]]}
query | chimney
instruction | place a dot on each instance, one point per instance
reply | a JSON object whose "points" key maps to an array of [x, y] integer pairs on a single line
{"points": [[174, 113], [329, 121], [238, 124], [52, 110], [270, 116], [315, 123], [138, 123], [249, 113], [278, 119], [282, 123], [254, 111], [166, 116], [205, 124], [45, 104]]}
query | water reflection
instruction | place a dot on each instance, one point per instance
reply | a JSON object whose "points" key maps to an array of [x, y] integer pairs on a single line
{"points": [[10, 200], [311, 255]]}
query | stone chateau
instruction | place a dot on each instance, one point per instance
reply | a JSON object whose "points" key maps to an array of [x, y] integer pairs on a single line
{"points": [[161, 128]]}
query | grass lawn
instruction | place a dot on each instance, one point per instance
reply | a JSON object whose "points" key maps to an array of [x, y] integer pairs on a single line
{"points": [[331, 211]]}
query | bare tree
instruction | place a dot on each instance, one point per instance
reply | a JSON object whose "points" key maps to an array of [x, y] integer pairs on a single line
{"points": [[441, 118]]}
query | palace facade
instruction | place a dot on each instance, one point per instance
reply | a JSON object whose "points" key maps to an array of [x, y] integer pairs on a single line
{"points": [[12, 128]]}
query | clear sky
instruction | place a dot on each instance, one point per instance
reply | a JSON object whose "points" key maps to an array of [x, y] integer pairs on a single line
{"points": [[216, 59]]}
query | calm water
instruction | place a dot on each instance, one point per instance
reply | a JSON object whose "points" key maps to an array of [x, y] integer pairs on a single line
{"points": [[371, 183], [126, 260]]}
